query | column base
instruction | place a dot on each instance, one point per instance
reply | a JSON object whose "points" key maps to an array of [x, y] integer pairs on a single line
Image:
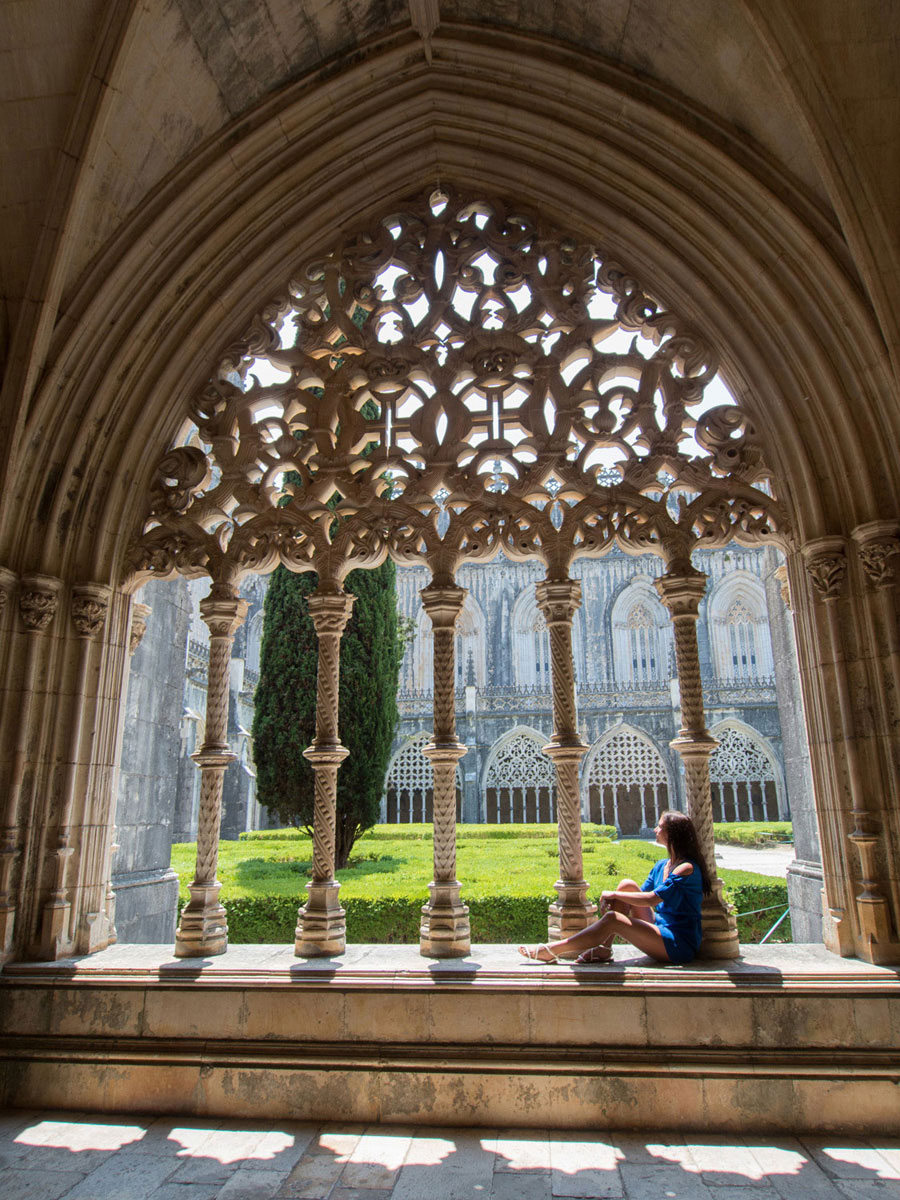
{"points": [[720, 935], [54, 920], [876, 943], [322, 923], [571, 911], [203, 929], [445, 932]]}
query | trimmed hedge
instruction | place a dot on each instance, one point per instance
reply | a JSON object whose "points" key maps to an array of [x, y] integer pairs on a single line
{"points": [[423, 833], [753, 833], [496, 919]]}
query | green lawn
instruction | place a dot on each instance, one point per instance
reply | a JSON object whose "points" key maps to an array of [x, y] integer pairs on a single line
{"points": [[391, 866]]}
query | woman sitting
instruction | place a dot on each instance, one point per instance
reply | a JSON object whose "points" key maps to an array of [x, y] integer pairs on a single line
{"points": [[661, 918]]}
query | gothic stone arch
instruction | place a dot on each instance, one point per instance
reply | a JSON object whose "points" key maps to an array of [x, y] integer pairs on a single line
{"points": [[775, 295]]}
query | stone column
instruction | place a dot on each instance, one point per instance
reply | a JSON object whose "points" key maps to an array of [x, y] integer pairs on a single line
{"points": [[38, 602], [444, 932], [203, 930], [559, 600], [321, 925], [90, 602], [826, 562], [681, 593]]}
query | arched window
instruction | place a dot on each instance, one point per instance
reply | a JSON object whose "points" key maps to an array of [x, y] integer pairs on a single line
{"points": [[409, 785], [519, 781], [640, 632], [254, 642], [743, 777], [739, 629], [531, 644], [627, 781], [469, 647]]}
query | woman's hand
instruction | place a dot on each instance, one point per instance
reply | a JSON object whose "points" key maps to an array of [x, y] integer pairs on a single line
{"points": [[606, 899]]}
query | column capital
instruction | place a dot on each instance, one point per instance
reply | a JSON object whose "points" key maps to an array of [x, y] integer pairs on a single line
{"points": [[682, 593], [139, 615], [443, 603], [878, 542], [558, 600], [38, 601], [330, 611], [826, 564], [223, 610], [90, 604]]}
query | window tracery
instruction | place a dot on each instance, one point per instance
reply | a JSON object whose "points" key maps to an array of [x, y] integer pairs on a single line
{"points": [[457, 379], [520, 782], [627, 782], [743, 778], [640, 633], [409, 785], [742, 647]]}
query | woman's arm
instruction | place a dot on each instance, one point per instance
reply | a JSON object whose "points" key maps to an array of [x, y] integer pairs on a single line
{"points": [[634, 899]]}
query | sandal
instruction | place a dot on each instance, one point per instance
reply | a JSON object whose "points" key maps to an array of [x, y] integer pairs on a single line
{"points": [[596, 954], [535, 954]]}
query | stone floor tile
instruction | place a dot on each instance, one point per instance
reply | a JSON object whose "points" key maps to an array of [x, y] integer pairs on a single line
{"points": [[466, 1168], [584, 1166], [889, 1149], [281, 1148], [790, 1170], [12, 1120], [846, 1158], [521, 1149], [673, 1181], [751, 1191], [649, 1148], [37, 1185], [337, 1141], [125, 1175], [181, 1191], [202, 1170], [169, 1135], [257, 1184], [376, 1159], [522, 1184], [721, 1163], [353, 1193], [313, 1178], [868, 1189], [60, 1158]]}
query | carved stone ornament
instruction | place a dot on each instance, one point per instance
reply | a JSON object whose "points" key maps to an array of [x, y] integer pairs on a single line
{"points": [[781, 575], [457, 379], [38, 601], [878, 544], [826, 562], [90, 603], [139, 615]]}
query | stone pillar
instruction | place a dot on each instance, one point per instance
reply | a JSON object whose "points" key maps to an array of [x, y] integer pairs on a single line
{"points": [[559, 600], [321, 925], [203, 930], [444, 932], [90, 602], [863, 788], [38, 602], [681, 593]]}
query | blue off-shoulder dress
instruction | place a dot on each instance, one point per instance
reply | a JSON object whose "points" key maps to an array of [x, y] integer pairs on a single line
{"points": [[677, 915]]}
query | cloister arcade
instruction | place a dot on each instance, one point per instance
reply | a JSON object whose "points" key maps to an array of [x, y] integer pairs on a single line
{"points": [[458, 379]]}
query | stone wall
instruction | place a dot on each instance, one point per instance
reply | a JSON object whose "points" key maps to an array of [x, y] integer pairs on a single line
{"points": [[145, 885]]}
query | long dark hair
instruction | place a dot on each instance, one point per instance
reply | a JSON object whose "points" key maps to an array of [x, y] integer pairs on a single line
{"points": [[681, 841]]}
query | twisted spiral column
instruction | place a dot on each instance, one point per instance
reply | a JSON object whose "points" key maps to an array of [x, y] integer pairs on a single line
{"points": [[203, 929], [559, 600], [444, 931], [681, 593], [321, 923]]}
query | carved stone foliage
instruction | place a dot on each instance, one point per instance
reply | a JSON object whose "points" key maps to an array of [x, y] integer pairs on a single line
{"points": [[89, 607], [457, 379], [38, 601]]}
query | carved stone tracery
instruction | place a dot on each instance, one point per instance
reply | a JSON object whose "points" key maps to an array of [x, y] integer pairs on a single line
{"points": [[456, 380]]}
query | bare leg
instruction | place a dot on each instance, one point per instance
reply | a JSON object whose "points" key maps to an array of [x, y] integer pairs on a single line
{"points": [[635, 924]]}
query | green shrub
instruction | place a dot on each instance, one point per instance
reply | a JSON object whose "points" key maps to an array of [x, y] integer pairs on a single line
{"points": [[423, 833], [394, 920], [753, 833]]}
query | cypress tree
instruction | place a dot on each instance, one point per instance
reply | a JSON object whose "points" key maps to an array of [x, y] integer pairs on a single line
{"points": [[285, 710]]}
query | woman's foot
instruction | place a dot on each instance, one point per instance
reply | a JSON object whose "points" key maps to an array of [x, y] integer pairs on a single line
{"points": [[596, 954], [541, 954]]}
